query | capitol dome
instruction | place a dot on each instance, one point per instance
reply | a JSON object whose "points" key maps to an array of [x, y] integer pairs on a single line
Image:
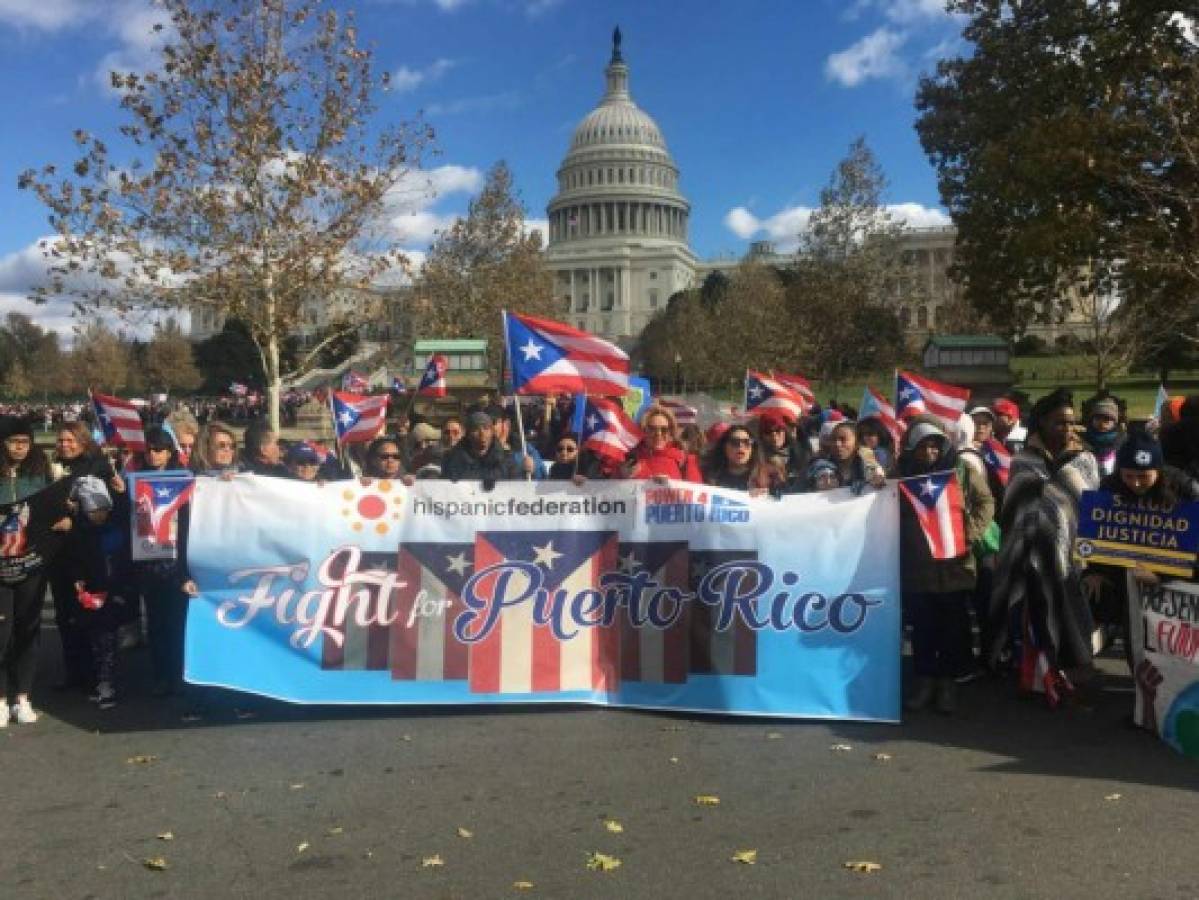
{"points": [[617, 237], [617, 177]]}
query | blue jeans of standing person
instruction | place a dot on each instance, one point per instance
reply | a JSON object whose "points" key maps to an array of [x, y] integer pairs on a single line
{"points": [[942, 642]]}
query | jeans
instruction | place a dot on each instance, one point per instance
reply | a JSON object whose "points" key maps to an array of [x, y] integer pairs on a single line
{"points": [[942, 644], [20, 631]]}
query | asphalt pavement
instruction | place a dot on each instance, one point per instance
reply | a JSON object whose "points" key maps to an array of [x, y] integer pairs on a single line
{"points": [[217, 794]]}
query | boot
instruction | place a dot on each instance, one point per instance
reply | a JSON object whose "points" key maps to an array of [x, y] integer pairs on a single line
{"points": [[921, 695], [947, 696]]}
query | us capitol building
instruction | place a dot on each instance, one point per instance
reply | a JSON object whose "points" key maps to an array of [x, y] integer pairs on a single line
{"points": [[617, 242]]}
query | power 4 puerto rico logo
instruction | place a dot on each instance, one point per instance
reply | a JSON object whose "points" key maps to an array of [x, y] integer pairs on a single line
{"points": [[687, 505]]}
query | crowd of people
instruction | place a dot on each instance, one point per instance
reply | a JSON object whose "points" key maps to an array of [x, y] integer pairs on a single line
{"points": [[1019, 593]]}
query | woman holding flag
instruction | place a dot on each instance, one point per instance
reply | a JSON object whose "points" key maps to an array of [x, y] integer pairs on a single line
{"points": [[948, 507]]}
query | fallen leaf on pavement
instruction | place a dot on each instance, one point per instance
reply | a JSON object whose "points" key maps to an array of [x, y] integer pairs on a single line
{"points": [[143, 759], [1113, 797], [671, 728], [773, 735], [882, 757], [602, 862], [707, 800], [745, 857], [220, 795], [674, 759], [840, 748], [613, 826], [302, 847], [337, 829], [430, 862], [863, 866], [166, 836], [298, 786], [407, 738], [155, 864], [465, 833], [523, 885]]}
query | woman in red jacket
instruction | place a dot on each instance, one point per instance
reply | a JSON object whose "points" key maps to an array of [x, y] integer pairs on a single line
{"points": [[659, 455]]}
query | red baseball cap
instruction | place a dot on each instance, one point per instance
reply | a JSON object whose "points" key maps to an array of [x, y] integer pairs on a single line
{"points": [[1005, 407]]}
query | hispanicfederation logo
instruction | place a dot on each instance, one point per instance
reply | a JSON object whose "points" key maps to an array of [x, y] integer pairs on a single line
{"points": [[687, 506]]}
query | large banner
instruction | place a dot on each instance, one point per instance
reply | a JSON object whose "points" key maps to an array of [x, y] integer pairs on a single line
{"points": [[638, 594], [1164, 633]]}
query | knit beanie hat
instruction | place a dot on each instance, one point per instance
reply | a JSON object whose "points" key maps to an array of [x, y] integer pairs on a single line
{"points": [[1106, 407], [1139, 451], [15, 426], [478, 419], [921, 430], [820, 467], [771, 422]]}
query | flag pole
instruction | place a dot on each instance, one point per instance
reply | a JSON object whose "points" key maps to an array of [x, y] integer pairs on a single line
{"points": [[341, 454], [520, 423], [579, 434]]}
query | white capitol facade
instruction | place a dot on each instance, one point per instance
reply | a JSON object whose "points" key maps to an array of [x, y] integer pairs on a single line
{"points": [[617, 242]]}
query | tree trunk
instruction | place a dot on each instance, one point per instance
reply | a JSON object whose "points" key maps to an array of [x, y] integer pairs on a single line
{"points": [[274, 381]]}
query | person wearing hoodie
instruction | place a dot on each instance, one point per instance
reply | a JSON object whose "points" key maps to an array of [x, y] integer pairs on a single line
{"points": [[782, 449], [1104, 436], [479, 456], [937, 592], [1036, 573]]}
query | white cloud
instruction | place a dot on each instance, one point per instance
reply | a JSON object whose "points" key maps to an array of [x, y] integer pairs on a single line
{"points": [[785, 226], [906, 12], [45, 15], [405, 79], [484, 103], [419, 227], [874, 56]]}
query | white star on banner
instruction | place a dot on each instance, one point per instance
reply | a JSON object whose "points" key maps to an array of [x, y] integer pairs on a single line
{"points": [[545, 556], [457, 564], [532, 350]]}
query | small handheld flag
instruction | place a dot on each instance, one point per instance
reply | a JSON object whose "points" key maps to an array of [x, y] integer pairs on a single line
{"points": [[354, 382], [158, 501], [875, 406], [936, 499], [1160, 402], [683, 414], [357, 419], [397, 384], [432, 382], [119, 421], [998, 459], [915, 394], [604, 428], [548, 357]]}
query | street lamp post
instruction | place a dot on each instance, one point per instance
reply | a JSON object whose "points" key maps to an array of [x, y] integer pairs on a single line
{"points": [[678, 368]]}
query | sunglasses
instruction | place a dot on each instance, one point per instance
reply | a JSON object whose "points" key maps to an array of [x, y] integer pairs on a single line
{"points": [[740, 442], [658, 429]]}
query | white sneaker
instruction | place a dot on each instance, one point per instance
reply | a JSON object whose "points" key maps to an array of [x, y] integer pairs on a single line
{"points": [[23, 713]]}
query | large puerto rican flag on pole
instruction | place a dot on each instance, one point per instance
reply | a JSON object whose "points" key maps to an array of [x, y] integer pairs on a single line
{"points": [[765, 394], [915, 394], [548, 357], [937, 501], [432, 382], [604, 428], [357, 419], [120, 422]]}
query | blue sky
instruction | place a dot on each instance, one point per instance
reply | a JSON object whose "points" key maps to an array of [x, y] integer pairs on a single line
{"points": [[758, 100]]}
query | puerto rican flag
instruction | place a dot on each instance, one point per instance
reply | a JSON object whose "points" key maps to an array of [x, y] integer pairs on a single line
{"points": [[432, 382], [765, 394], [937, 501], [13, 530], [800, 385], [519, 656], [683, 414], [653, 655], [432, 578], [604, 428], [354, 382], [733, 651], [397, 384], [119, 421], [357, 419], [998, 459], [875, 406], [915, 394], [237, 389], [360, 646], [158, 501], [548, 357]]}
